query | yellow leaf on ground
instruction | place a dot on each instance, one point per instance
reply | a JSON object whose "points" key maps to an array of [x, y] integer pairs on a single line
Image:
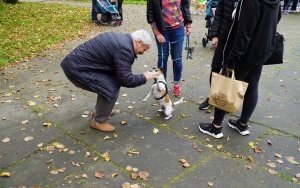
{"points": [[210, 183], [28, 138], [155, 130], [5, 174], [6, 140]]}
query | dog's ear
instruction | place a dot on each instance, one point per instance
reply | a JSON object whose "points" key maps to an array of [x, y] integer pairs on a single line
{"points": [[161, 69]]}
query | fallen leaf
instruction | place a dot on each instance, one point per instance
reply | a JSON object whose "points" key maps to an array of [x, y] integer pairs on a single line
{"points": [[124, 95], [106, 156], [5, 174], [143, 175], [28, 138], [123, 122], [220, 146], [210, 184], [71, 152], [134, 176], [248, 167], [269, 142], [87, 154], [272, 165], [125, 185], [297, 175], [135, 169], [279, 161], [227, 139], [251, 144], [31, 103], [6, 140], [62, 169], [25, 122], [278, 155], [95, 158], [84, 176], [257, 150], [133, 152], [106, 137], [292, 160], [46, 124], [250, 159], [270, 117], [134, 186], [155, 130], [128, 168], [272, 171], [40, 145], [114, 175], [294, 180], [99, 174], [209, 146]]}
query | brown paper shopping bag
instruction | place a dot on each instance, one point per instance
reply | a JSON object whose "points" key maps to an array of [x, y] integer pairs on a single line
{"points": [[227, 93]]}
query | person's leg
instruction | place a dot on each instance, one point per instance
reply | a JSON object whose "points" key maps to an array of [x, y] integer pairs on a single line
{"points": [[163, 54], [104, 108], [93, 12], [120, 3], [251, 95], [176, 43], [294, 6]]}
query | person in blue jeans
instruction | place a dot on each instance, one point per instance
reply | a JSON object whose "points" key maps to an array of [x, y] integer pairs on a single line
{"points": [[169, 21], [94, 13]]}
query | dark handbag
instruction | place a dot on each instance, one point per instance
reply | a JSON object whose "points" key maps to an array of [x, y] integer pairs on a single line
{"points": [[277, 55]]}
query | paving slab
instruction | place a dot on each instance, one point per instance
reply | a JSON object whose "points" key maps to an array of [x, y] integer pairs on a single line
{"points": [[227, 162]]}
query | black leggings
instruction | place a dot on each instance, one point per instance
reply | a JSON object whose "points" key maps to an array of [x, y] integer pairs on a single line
{"points": [[251, 76]]}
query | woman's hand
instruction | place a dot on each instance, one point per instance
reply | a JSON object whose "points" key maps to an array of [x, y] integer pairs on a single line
{"points": [[215, 41], [188, 30], [161, 39]]}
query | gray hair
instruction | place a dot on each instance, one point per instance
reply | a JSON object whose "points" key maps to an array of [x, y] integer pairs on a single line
{"points": [[143, 36]]}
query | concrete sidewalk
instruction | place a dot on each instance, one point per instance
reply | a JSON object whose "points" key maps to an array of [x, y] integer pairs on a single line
{"points": [[46, 141]]}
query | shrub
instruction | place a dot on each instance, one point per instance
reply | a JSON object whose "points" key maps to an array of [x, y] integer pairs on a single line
{"points": [[11, 1]]}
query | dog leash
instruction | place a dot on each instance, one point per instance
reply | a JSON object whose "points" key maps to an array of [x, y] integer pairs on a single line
{"points": [[188, 48]]}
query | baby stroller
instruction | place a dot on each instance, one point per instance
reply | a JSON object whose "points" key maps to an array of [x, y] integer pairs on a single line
{"points": [[209, 17], [108, 12]]}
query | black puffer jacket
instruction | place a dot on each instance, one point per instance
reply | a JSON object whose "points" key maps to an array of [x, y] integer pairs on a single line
{"points": [[252, 38], [154, 13], [222, 19], [104, 64]]}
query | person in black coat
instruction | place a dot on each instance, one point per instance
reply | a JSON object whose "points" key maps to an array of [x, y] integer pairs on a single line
{"points": [[250, 43], [102, 65], [218, 32]]}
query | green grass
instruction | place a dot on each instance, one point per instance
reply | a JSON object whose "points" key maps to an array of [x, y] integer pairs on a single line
{"points": [[27, 29]]}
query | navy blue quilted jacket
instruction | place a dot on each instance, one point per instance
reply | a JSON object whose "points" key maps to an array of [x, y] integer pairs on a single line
{"points": [[103, 64]]}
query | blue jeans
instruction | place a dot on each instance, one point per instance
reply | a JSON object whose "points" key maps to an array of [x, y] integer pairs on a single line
{"points": [[93, 12], [174, 40]]}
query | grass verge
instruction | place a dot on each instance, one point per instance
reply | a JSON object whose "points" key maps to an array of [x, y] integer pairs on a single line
{"points": [[27, 29]]}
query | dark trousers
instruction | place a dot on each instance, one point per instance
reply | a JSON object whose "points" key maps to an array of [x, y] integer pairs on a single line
{"points": [[251, 76], [294, 6], [103, 107]]}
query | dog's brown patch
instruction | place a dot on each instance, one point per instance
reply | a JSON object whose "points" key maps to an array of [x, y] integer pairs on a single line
{"points": [[167, 98]]}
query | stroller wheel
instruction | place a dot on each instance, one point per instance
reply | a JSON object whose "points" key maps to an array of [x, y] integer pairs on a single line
{"points": [[204, 42]]}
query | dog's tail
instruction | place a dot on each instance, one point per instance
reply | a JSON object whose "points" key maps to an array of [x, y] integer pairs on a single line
{"points": [[178, 102]]}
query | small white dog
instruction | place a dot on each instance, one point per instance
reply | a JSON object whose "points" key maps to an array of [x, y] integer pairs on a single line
{"points": [[159, 91]]}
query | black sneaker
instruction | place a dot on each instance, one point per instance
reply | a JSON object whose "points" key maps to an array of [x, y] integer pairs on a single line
{"points": [[208, 128], [204, 105], [242, 129]]}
